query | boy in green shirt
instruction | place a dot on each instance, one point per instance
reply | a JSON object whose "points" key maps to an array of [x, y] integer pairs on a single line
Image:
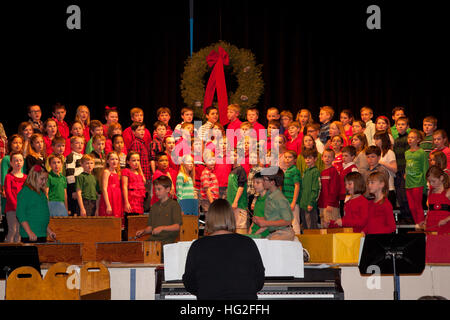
{"points": [[96, 128], [277, 210], [86, 187], [164, 219], [429, 127], [57, 187], [310, 190], [291, 187]]}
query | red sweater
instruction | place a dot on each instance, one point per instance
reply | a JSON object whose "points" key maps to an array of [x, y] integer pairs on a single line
{"points": [[381, 217], [63, 128], [258, 126], [128, 138], [295, 145], [12, 187], [329, 193], [222, 171], [346, 169], [48, 145], [356, 214]]}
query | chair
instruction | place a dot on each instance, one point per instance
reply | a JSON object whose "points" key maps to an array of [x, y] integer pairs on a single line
{"points": [[24, 283], [95, 282], [58, 284]]}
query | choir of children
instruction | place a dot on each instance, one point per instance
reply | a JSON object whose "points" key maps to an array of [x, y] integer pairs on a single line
{"points": [[350, 173]]}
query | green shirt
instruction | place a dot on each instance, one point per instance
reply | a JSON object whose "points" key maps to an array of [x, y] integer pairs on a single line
{"points": [[416, 168], [165, 214], [56, 184], [310, 191], [291, 177], [394, 131], [237, 178], [277, 207], [427, 144], [185, 190], [88, 185], [89, 147], [301, 163], [32, 207], [259, 212]]}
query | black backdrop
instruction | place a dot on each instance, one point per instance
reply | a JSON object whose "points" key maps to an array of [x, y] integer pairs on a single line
{"points": [[133, 52]]}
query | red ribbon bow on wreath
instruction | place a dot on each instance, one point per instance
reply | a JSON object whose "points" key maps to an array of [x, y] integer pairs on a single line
{"points": [[217, 82]]}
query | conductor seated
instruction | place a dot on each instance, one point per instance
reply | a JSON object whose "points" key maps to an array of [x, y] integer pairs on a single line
{"points": [[223, 265], [164, 219]]}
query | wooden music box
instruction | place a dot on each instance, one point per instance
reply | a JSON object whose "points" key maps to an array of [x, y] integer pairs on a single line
{"points": [[86, 230], [129, 252]]}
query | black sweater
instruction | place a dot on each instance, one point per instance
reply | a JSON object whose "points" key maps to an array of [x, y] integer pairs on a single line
{"points": [[224, 267]]}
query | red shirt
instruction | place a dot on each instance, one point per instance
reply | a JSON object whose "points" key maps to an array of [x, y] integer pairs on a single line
{"points": [[295, 145], [63, 128], [330, 186], [338, 163], [222, 171], [234, 125], [356, 213], [199, 167], [209, 181], [257, 127], [128, 137], [12, 187], [347, 168], [48, 145], [381, 217]]}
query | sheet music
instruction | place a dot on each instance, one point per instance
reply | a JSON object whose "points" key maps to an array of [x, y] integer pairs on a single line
{"points": [[280, 258], [175, 255]]}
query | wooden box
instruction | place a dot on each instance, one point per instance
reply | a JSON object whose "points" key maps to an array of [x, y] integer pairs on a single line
{"points": [[189, 229], [136, 223], [86, 230], [70, 253], [332, 248], [129, 252]]}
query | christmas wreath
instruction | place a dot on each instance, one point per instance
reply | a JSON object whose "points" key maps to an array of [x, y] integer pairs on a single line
{"points": [[243, 77]]}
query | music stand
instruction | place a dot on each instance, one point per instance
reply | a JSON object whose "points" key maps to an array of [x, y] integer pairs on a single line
{"points": [[397, 254], [13, 257]]}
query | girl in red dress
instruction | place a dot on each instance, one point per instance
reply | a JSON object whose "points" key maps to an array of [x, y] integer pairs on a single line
{"points": [[111, 191], [438, 216], [356, 209], [381, 215]]}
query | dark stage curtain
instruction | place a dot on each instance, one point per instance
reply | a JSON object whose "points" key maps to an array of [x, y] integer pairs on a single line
{"points": [[133, 52]]}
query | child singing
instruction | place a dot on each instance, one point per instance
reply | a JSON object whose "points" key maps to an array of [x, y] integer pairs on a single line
{"points": [[111, 192], [357, 207], [438, 216], [14, 181]]}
